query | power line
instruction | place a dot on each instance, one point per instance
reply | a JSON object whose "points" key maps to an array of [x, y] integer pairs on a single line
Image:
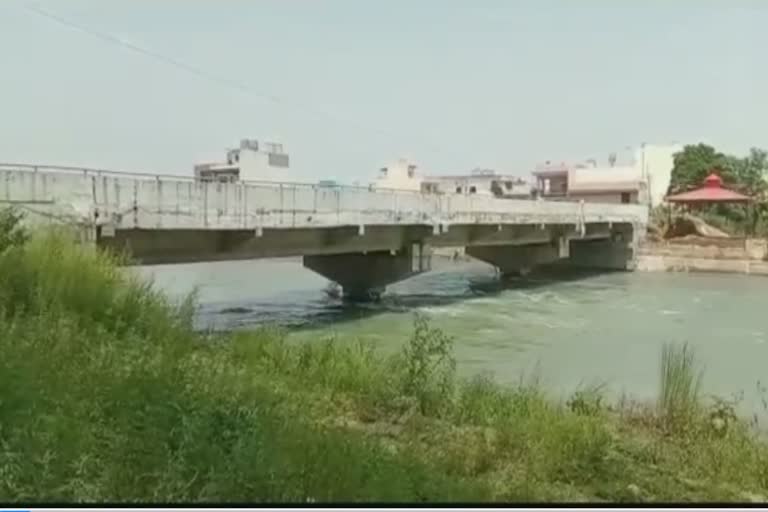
{"points": [[199, 72]]}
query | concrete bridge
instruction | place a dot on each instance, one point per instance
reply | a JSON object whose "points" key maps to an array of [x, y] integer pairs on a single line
{"points": [[360, 238]]}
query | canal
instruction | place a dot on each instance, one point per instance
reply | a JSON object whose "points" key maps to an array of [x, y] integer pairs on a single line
{"points": [[600, 330]]}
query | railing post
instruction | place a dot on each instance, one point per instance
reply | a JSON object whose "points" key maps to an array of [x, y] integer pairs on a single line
{"points": [[159, 190], [190, 200], [244, 204], [337, 193], [178, 205], [94, 200], [135, 204], [204, 185]]}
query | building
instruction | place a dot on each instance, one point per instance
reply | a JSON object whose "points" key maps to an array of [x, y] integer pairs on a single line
{"points": [[656, 163], [405, 175], [552, 180], [618, 184], [643, 180], [252, 161], [399, 175], [484, 182]]}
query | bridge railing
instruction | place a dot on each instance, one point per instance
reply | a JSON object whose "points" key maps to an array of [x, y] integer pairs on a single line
{"points": [[164, 201]]}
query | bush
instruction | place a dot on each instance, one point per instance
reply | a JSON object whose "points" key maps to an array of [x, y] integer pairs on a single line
{"points": [[11, 231], [430, 367], [106, 394]]}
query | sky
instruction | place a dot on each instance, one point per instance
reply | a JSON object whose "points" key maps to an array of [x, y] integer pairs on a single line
{"points": [[349, 85]]}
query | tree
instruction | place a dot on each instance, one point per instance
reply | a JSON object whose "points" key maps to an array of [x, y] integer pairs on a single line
{"points": [[751, 173], [694, 163], [747, 174]]}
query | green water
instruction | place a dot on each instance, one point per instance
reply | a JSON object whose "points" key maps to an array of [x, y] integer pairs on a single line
{"points": [[605, 329]]}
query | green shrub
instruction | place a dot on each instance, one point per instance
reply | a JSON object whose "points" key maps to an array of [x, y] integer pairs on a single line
{"points": [[106, 394], [587, 402], [680, 384], [430, 367], [11, 231]]}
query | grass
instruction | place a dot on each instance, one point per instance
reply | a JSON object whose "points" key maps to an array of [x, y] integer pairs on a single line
{"points": [[108, 394], [680, 384]]}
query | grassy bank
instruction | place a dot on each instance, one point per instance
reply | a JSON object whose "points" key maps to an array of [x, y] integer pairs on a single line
{"points": [[107, 394]]}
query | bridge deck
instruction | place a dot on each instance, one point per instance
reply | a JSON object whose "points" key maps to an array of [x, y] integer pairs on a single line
{"points": [[130, 201]]}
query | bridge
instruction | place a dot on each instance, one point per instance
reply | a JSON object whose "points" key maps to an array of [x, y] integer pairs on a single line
{"points": [[363, 239]]}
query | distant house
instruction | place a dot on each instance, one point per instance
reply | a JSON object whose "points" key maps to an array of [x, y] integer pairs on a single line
{"points": [[479, 182], [644, 180], [252, 161], [607, 185], [405, 175], [552, 180], [399, 175]]}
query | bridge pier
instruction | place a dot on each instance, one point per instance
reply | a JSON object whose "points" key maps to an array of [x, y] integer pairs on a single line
{"points": [[520, 259], [613, 253], [606, 248], [364, 276]]}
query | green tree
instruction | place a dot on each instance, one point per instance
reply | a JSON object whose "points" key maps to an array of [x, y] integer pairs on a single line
{"points": [[746, 174], [751, 173], [694, 163]]}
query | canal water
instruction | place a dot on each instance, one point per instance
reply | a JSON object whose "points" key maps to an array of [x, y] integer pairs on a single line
{"points": [[600, 330]]}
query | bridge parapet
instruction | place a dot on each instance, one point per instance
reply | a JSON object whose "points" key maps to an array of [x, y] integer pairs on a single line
{"points": [[128, 201]]}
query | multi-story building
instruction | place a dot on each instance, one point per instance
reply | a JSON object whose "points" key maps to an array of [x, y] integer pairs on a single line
{"points": [[644, 180], [252, 161], [399, 175]]}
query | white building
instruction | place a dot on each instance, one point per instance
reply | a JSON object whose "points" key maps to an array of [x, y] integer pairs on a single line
{"points": [[405, 175], [484, 182], [399, 175], [645, 179], [656, 163], [252, 161]]}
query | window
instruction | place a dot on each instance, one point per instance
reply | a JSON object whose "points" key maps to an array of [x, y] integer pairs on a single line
{"points": [[472, 189], [625, 197], [458, 190]]}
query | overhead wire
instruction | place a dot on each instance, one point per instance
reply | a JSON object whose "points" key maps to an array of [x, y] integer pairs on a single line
{"points": [[213, 77]]}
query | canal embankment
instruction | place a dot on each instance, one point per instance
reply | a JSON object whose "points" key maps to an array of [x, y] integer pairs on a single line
{"points": [[704, 254]]}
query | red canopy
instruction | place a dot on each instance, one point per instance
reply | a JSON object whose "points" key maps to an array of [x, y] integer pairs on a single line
{"points": [[711, 192]]}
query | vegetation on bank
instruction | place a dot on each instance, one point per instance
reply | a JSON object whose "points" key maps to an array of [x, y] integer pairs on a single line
{"points": [[748, 174], [107, 394]]}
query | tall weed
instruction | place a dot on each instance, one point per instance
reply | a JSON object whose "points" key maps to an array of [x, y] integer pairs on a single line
{"points": [[430, 368], [680, 384]]}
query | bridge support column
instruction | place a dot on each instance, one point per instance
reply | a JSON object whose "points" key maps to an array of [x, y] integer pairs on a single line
{"points": [[364, 276], [520, 259], [614, 253]]}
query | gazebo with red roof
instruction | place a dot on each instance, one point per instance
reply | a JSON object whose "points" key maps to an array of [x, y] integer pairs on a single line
{"points": [[712, 192]]}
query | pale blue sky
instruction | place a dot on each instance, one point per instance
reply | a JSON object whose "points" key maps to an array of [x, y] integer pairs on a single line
{"points": [[452, 84]]}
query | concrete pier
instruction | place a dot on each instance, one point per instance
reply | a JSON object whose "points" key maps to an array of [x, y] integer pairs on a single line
{"points": [[364, 276]]}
